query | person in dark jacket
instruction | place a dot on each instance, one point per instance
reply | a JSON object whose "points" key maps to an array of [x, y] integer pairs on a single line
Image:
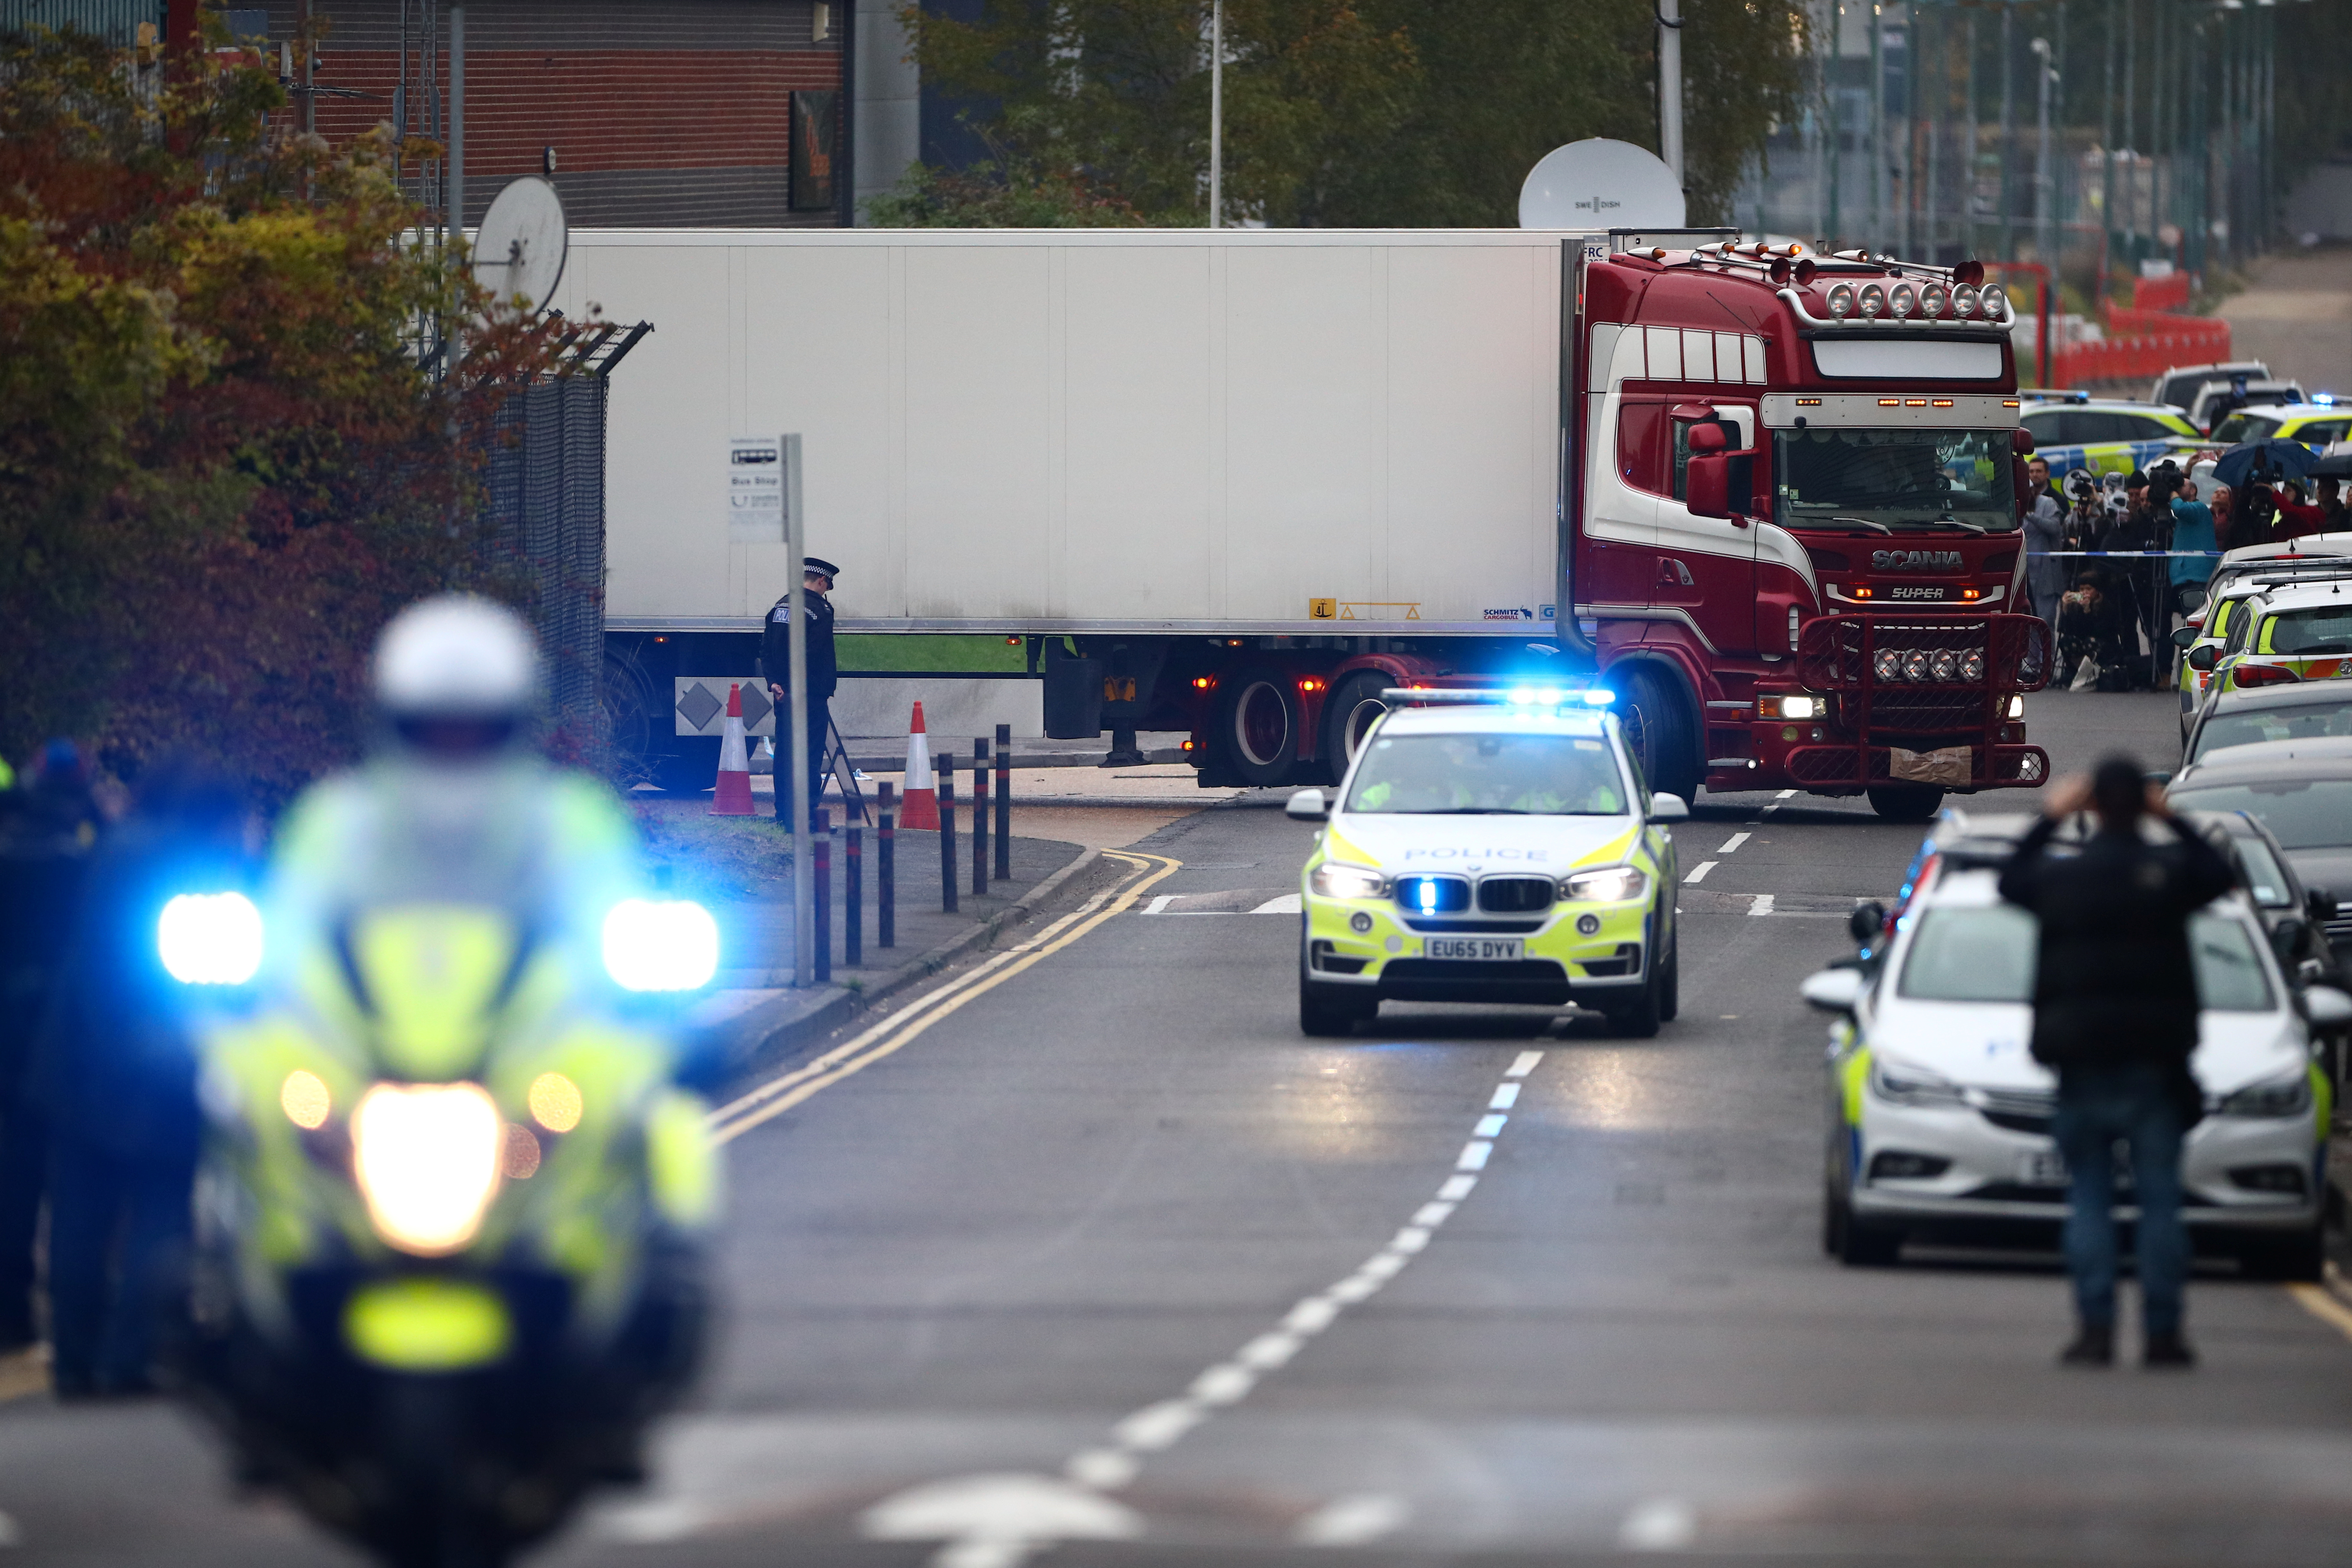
{"points": [[115, 1070], [47, 824], [2115, 1015], [776, 662]]}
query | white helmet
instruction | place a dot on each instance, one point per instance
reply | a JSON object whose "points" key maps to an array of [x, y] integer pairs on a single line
{"points": [[456, 657]]}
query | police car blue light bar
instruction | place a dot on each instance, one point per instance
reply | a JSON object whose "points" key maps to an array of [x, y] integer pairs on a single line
{"points": [[1516, 696]]}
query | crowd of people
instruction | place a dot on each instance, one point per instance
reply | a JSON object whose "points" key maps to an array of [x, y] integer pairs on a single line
{"points": [[2112, 615]]}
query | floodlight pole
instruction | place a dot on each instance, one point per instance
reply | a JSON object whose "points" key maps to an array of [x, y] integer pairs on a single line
{"points": [[1670, 86], [1216, 113], [796, 686]]}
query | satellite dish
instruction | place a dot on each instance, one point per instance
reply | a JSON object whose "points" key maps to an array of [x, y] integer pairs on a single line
{"points": [[1600, 183], [518, 251]]}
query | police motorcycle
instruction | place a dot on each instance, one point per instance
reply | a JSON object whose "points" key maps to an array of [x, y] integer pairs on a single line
{"points": [[451, 1220]]}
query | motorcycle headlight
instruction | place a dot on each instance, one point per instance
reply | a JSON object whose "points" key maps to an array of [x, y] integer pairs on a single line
{"points": [[1611, 885], [2275, 1096], [668, 946], [1334, 880], [210, 939], [1900, 1085], [427, 1158]]}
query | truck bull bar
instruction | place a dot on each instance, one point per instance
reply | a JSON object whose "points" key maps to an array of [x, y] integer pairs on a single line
{"points": [[1922, 700]]}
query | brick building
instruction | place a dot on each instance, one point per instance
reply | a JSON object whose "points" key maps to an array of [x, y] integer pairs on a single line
{"points": [[645, 113]]}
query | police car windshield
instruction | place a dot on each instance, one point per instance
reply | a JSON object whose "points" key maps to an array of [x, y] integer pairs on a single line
{"points": [[1986, 954], [1488, 775], [2301, 814], [2300, 722], [2246, 427], [1845, 480]]}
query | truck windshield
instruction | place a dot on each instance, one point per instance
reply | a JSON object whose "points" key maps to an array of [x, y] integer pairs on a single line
{"points": [[1490, 775], [1870, 480]]}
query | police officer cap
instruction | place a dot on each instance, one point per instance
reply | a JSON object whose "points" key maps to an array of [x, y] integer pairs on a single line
{"points": [[2135, 480], [819, 565]]}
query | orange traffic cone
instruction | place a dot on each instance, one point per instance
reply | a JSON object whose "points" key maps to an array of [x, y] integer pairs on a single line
{"points": [[922, 791], [733, 795]]}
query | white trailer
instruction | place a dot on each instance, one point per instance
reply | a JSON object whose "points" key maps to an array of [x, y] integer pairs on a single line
{"points": [[1091, 430]]}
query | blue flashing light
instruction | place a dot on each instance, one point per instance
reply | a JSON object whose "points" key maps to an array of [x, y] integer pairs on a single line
{"points": [[1427, 893], [1599, 697], [210, 939], [2325, 399], [668, 946]]}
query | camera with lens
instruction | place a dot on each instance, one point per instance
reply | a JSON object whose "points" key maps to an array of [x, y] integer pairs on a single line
{"points": [[2164, 482]]}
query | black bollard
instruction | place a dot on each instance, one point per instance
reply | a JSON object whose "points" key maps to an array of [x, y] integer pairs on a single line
{"points": [[821, 886], [947, 833], [1004, 803], [886, 869], [853, 909], [979, 819]]}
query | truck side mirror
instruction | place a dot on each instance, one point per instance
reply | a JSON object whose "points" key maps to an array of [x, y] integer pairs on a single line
{"points": [[2200, 659], [1706, 438], [2021, 441], [1708, 482]]}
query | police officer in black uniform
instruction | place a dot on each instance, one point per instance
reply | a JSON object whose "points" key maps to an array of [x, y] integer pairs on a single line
{"points": [[776, 660]]}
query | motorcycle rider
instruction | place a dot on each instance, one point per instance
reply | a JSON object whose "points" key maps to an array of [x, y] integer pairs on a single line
{"points": [[439, 933]]}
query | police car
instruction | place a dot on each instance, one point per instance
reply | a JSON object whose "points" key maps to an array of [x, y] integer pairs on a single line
{"points": [[1938, 1113], [1490, 847], [2318, 424], [2072, 431], [2295, 631]]}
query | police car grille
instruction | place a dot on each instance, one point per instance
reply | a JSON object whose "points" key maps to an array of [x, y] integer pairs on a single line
{"points": [[1515, 895], [2019, 1110]]}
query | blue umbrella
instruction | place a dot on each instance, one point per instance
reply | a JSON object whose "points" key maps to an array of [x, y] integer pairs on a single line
{"points": [[2284, 459]]}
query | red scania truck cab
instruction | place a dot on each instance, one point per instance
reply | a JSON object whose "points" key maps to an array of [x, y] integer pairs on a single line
{"points": [[1791, 496], [1798, 556]]}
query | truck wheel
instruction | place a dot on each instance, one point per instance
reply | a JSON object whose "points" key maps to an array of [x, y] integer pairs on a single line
{"points": [[1347, 717], [1662, 732], [1257, 726], [1906, 803]]}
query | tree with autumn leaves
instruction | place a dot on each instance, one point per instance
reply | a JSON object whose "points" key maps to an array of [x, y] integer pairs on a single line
{"points": [[224, 461]]}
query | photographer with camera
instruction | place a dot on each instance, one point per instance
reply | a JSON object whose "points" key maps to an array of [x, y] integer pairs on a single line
{"points": [[2136, 588], [2045, 523], [2192, 530]]}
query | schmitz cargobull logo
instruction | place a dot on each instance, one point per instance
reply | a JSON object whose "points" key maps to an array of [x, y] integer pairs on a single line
{"points": [[1915, 560]]}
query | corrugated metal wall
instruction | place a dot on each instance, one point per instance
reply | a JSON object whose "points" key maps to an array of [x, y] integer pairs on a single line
{"points": [[675, 114], [116, 19]]}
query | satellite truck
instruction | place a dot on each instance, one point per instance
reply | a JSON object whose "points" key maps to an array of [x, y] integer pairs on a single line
{"points": [[1239, 483]]}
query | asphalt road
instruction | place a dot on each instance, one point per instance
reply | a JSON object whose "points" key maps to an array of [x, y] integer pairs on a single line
{"points": [[1109, 1264]]}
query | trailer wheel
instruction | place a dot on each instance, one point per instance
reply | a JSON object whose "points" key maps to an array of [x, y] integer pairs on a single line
{"points": [[1349, 716], [1257, 726], [1662, 732]]}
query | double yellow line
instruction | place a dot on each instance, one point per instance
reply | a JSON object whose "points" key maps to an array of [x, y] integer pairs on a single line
{"points": [[785, 1090]]}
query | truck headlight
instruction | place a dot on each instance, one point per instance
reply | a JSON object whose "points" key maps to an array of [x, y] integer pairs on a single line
{"points": [[1900, 1085], [2275, 1096], [1611, 885], [210, 939], [426, 1159], [669, 946], [1335, 880]]}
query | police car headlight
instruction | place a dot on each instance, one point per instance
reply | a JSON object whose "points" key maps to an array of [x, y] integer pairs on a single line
{"points": [[2276, 1097], [668, 946], [210, 939], [1333, 880], [1614, 885], [426, 1159], [1899, 1085]]}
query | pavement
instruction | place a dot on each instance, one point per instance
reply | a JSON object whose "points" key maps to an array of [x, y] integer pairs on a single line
{"points": [[1081, 1254], [2295, 316]]}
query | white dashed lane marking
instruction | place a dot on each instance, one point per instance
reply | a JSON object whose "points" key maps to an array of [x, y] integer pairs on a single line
{"points": [[1004, 1543], [1698, 873], [1732, 843]]}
